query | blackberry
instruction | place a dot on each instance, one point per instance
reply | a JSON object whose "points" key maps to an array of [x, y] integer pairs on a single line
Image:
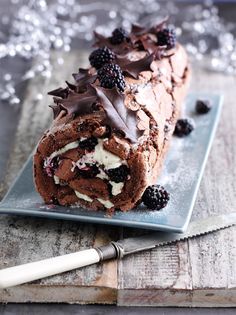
{"points": [[119, 35], [110, 75], [100, 57], [155, 197], [88, 144], [89, 172], [203, 106], [183, 127], [118, 174], [166, 37]]}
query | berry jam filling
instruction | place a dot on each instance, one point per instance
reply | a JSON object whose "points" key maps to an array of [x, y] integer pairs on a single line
{"points": [[51, 165]]}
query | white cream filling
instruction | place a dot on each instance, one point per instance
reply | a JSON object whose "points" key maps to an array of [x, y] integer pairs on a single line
{"points": [[102, 175], [116, 188], [83, 196], [100, 156], [56, 180], [66, 148], [106, 203]]}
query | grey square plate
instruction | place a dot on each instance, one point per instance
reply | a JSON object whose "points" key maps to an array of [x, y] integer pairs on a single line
{"points": [[181, 175]]}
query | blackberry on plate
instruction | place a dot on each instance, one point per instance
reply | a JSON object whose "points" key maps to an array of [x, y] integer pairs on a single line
{"points": [[88, 144], [166, 37], [89, 172], [203, 106], [183, 127], [118, 174], [155, 197], [119, 35], [110, 76], [100, 57]]}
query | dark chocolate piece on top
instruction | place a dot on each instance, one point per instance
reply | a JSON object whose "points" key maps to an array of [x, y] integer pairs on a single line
{"points": [[78, 103], [118, 115], [60, 92], [83, 78]]}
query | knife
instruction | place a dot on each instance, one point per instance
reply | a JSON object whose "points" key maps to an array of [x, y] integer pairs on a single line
{"points": [[37, 270]]}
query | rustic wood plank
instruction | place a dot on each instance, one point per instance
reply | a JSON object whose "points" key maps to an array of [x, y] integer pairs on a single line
{"points": [[28, 239], [202, 271]]}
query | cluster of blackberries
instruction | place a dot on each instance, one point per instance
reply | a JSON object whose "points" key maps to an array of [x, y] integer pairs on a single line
{"points": [[110, 74]]}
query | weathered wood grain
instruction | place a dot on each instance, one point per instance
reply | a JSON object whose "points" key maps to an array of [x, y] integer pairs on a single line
{"points": [[29, 239], [202, 271], [198, 272]]}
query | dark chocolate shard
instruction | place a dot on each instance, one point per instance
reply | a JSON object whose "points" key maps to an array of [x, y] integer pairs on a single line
{"points": [[118, 115], [134, 68], [56, 110], [83, 78], [151, 46], [137, 29], [78, 103], [102, 41], [157, 27], [71, 86], [144, 38], [60, 92]]}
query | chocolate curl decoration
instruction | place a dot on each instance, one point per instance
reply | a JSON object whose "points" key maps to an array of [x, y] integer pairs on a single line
{"points": [[118, 115]]}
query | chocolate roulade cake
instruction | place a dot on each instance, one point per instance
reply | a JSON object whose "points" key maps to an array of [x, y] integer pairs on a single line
{"points": [[113, 126]]}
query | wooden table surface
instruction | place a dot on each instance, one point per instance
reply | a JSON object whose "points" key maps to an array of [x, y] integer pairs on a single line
{"points": [[197, 272]]}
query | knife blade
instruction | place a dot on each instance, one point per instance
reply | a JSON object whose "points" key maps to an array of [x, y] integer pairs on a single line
{"points": [[196, 228], [37, 270]]}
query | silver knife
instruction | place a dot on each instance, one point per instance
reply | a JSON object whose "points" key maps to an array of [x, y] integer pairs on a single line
{"points": [[37, 270]]}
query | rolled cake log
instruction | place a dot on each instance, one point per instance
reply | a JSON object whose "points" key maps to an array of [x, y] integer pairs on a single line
{"points": [[105, 147]]}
